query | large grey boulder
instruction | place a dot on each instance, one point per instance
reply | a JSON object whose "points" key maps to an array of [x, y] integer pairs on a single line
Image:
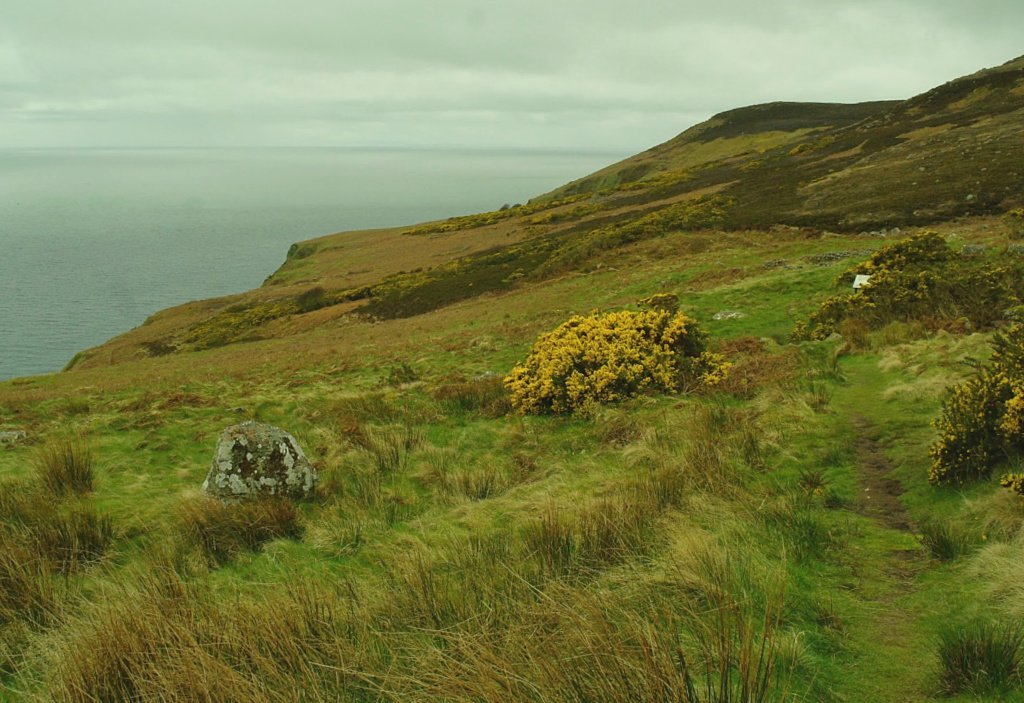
{"points": [[256, 459]]}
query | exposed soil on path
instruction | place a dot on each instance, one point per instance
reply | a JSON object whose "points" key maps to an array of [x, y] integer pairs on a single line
{"points": [[880, 494]]}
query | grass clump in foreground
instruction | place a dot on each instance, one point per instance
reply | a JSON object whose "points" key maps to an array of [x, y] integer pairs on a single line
{"points": [[222, 530], [65, 466], [946, 541], [62, 536], [981, 657]]}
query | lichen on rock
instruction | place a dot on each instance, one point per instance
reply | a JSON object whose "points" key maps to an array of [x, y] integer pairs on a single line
{"points": [[256, 459]]}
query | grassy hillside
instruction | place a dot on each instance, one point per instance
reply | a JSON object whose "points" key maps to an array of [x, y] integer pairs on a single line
{"points": [[774, 537], [951, 152]]}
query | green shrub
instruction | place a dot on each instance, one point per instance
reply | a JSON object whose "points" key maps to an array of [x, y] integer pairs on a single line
{"points": [[241, 322], [980, 657], [982, 419], [484, 219], [919, 279], [603, 358], [702, 213], [401, 375], [313, 299]]}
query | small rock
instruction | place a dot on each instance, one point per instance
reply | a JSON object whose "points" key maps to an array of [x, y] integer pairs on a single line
{"points": [[729, 315], [12, 437], [254, 459], [833, 256], [970, 197], [1015, 250], [972, 250]]}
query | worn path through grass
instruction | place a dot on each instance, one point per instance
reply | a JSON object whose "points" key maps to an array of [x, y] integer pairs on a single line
{"points": [[886, 638]]}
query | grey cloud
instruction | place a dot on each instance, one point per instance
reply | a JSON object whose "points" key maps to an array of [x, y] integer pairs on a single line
{"points": [[534, 73]]}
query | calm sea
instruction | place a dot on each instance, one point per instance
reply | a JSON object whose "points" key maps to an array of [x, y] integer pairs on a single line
{"points": [[94, 241]]}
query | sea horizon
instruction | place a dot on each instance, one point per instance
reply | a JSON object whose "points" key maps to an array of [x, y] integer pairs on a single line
{"points": [[96, 239]]}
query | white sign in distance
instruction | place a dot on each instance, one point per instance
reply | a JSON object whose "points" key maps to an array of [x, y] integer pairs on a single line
{"points": [[860, 281]]}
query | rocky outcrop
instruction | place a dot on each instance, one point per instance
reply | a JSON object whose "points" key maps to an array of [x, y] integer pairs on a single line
{"points": [[256, 459]]}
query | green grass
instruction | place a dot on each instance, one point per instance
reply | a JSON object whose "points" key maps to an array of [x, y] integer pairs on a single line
{"points": [[706, 547], [981, 657]]}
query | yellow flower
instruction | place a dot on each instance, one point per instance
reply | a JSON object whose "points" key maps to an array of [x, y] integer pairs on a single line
{"points": [[605, 358]]}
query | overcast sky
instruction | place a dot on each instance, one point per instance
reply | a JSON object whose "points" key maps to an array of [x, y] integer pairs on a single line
{"points": [[535, 74]]}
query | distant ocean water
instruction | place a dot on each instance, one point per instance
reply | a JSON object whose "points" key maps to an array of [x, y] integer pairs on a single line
{"points": [[94, 241]]}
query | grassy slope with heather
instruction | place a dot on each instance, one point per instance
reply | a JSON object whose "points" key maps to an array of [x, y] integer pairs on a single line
{"points": [[771, 539]]}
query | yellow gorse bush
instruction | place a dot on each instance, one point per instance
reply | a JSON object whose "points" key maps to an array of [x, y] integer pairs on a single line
{"points": [[982, 419], [1014, 220], [920, 278], [603, 358]]}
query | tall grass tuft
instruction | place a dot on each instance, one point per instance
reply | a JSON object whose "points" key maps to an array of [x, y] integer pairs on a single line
{"points": [[552, 540], [485, 395], [801, 530], [74, 538], [65, 466], [580, 645], [818, 395], [222, 530], [617, 428], [706, 451], [390, 447], [663, 486], [63, 536], [980, 656], [944, 540], [180, 643], [27, 590], [599, 535], [480, 483]]}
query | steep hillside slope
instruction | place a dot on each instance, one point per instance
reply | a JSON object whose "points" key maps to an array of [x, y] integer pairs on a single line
{"points": [[735, 134], [951, 152]]}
